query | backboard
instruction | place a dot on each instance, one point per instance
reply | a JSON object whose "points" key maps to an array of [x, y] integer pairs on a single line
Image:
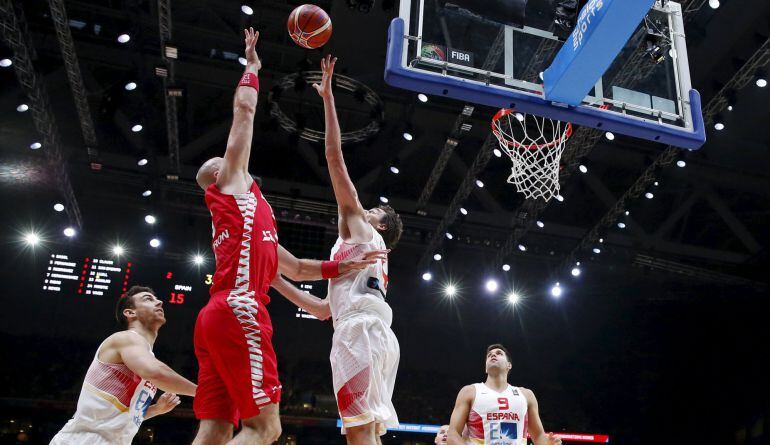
{"points": [[439, 47]]}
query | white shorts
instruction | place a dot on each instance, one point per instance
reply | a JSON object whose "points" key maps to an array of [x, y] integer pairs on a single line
{"points": [[83, 438], [364, 360]]}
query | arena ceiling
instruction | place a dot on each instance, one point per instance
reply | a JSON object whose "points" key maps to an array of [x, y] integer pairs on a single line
{"points": [[707, 219]]}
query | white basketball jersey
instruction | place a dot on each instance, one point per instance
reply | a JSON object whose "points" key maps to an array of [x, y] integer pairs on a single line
{"points": [[360, 290], [112, 403], [498, 418]]}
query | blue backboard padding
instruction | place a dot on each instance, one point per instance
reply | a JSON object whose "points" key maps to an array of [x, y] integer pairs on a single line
{"points": [[408, 427], [479, 93], [602, 29]]}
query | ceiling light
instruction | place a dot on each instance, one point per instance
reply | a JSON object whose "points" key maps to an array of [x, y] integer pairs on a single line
{"points": [[719, 126], [427, 276], [583, 168], [556, 291], [59, 207], [69, 232], [680, 163], [394, 170], [714, 4], [729, 108], [136, 128], [610, 136], [449, 235], [150, 219], [559, 198], [761, 82], [450, 290], [242, 61], [621, 225], [124, 38], [155, 242], [383, 200], [246, 9], [22, 108], [32, 239], [35, 145], [506, 267], [437, 257], [522, 247], [597, 250], [513, 298], [5, 63], [408, 136], [117, 249], [627, 213], [491, 285], [649, 195], [130, 86], [601, 240], [423, 98], [519, 117], [540, 224], [479, 183], [197, 259], [497, 153], [463, 211], [142, 162], [575, 271], [147, 193]]}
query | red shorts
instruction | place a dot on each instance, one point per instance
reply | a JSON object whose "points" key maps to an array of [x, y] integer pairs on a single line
{"points": [[238, 371]]}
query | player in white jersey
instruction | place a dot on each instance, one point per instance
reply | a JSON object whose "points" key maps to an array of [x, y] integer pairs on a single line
{"points": [[365, 352], [122, 380], [495, 412]]}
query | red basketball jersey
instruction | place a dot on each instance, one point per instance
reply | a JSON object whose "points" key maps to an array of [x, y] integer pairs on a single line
{"points": [[245, 242]]}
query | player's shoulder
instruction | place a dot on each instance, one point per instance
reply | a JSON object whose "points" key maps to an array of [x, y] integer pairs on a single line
{"points": [[123, 338], [467, 391], [526, 392]]}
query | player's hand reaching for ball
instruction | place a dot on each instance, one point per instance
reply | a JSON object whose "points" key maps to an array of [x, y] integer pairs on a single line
{"points": [[251, 38], [363, 260], [553, 440], [166, 402], [324, 89]]}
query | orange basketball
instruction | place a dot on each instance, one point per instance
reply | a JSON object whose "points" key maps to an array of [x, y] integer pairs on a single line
{"points": [[309, 26]]}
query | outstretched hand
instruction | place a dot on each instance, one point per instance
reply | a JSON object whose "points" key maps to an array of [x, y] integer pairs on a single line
{"points": [[364, 260], [327, 68], [251, 38], [166, 402]]}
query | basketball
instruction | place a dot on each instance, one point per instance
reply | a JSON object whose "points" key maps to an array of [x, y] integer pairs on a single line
{"points": [[309, 26]]}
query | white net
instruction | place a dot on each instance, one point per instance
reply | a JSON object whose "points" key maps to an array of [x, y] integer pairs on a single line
{"points": [[535, 145]]}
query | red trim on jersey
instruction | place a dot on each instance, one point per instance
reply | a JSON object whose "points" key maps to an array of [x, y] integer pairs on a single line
{"points": [[475, 425]]}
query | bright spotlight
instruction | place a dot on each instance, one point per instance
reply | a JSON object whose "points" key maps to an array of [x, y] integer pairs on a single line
{"points": [[575, 271], [242, 61], [22, 108], [497, 153], [35, 145], [155, 242], [513, 298], [597, 250], [479, 184], [761, 82], [519, 117], [449, 235], [383, 200], [437, 257], [423, 98], [680, 163], [150, 219], [31, 239], [627, 213], [246, 9], [556, 291], [69, 232], [601, 240], [394, 170], [621, 225], [522, 247], [583, 168], [130, 86], [117, 250], [450, 290], [59, 207], [136, 128], [463, 211], [506, 267], [559, 198], [649, 195], [719, 126], [610, 136], [656, 183], [540, 224], [714, 4], [491, 285], [147, 193], [5, 63], [408, 136], [142, 162], [124, 38], [427, 276], [197, 259]]}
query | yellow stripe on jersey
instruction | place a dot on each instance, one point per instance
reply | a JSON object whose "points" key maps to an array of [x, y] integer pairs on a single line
{"points": [[108, 397]]}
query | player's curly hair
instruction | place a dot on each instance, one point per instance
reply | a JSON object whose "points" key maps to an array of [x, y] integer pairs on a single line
{"points": [[126, 301], [393, 226]]}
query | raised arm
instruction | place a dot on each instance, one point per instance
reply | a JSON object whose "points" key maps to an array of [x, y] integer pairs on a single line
{"points": [[134, 353], [535, 426], [460, 414], [300, 269], [315, 306], [352, 216], [233, 176]]}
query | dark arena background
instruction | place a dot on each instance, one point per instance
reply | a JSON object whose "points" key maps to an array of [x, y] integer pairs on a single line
{"points": [[659, 335]]}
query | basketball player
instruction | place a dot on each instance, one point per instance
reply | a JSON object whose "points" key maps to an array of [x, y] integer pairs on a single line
{"points": [[365, 352], [441, 435], [123, 378], [238, 374], [496, 412]]}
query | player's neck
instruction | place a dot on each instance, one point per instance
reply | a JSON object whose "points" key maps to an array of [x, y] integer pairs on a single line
{"points": [[497, 382], [148, 334]]}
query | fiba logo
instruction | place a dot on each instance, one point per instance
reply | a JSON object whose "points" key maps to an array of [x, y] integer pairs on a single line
{"points": [[434, 52]]}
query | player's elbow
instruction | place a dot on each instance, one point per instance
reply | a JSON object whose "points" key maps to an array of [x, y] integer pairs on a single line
{"points": [[245, 106]]}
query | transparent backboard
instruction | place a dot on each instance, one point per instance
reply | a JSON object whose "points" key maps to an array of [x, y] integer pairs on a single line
{"points": [[648, 82]]}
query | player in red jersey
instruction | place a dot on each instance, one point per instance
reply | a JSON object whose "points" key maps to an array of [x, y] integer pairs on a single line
{"points": [[238, 375]]}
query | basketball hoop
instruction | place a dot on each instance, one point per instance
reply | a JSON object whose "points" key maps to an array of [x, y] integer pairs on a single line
{"points": [[535, 145]]}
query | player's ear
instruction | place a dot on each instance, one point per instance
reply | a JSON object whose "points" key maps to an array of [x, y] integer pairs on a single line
{"points": [[128, 312]]}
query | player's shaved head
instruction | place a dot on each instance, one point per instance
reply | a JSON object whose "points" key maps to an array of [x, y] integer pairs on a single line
{"points": [[208, 172]]}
